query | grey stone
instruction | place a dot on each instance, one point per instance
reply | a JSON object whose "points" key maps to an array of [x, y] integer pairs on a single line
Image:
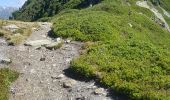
{"points": [[38, 43], [58, 39], [69, 83], [54, 65], [5, 61], [58, 77], [99, 91], [81, 98], [42, 59], [53, 45], [12, 90], [67, 41]]}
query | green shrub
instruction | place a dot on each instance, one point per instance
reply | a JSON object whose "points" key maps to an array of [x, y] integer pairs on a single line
{"points": [[131, 67], [6, 78], [1, 34]]}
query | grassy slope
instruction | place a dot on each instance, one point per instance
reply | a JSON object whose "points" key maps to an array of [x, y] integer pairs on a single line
{"points": [[132, 60], [6, 77], [165, 4]]}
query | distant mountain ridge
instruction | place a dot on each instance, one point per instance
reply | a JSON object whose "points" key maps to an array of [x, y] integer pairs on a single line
{"points": [[6, 12]]}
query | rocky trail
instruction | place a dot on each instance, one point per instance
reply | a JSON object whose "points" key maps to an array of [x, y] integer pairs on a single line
{"points": [[45, 74]]}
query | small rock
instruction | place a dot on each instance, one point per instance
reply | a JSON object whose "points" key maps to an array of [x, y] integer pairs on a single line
{"points": [[54, 45], [54, 65], [32, 71], [12, 90], [61, 76], [45, 23], [69, 83], [91, 86], [38, 48], [34, 29], [58, 39], [5, 61], [58, 77], [68, 60], [67, 41], [81, 98], [26, 80], [99, 91], [70, 90], [42, 59]]}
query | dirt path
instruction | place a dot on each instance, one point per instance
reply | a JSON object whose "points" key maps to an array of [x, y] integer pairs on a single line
{"points": [[45, 74]]}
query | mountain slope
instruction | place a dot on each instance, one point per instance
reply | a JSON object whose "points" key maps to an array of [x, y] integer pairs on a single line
{"points": [[129, 51], [126, 46], [5, 13], [35, 9]]}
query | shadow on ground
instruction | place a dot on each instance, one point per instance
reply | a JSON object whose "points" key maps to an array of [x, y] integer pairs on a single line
{"points": [[115, 96]]}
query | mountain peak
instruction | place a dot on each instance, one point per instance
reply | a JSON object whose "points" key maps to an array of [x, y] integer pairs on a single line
{"points": [[6, 12]]}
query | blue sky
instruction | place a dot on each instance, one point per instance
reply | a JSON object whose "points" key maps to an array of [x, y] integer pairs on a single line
{"points": [[11, 3]]}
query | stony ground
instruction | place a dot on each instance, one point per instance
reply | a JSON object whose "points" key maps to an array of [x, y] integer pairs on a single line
{"points": [[45, 74]]}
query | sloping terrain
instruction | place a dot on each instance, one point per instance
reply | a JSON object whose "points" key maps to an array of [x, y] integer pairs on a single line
{"points": [[44, 73], [130, 49], [126, 42], [36, 9]]}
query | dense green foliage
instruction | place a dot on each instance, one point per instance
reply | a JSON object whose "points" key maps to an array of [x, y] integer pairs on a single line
{"points": [[135, 68], [6, 77], [130, 52], [35, 9]]}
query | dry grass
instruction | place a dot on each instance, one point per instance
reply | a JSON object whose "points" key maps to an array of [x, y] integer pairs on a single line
{"points": [[16, 37]]}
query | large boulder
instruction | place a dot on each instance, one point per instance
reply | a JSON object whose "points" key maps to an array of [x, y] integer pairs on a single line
{"points": [[38, 43]]}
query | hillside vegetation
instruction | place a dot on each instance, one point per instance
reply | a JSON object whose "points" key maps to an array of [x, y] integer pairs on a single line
{"points": [[124, 48], [130, 51], [35, 9], [6, 78]]}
